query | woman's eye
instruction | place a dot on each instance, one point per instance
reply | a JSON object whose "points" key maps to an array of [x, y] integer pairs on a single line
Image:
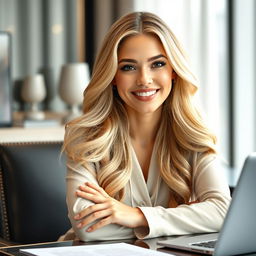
{"points": [[127, 68], [158, 64]]}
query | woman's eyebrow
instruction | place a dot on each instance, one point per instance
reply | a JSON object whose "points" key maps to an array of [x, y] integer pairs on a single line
{"points": [[157, 57], [150, 59], [128, 60]]}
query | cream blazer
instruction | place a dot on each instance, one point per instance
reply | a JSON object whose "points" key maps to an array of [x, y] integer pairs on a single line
{"points": [[209, 186]]}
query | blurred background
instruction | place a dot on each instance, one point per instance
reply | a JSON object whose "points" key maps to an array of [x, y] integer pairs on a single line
{"points": [[218, 35]]}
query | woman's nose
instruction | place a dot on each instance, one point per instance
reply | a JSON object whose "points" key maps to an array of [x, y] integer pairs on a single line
{"points": [[144, 77]]}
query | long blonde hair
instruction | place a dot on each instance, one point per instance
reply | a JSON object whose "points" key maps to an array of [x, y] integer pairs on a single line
{"points": [[101, 134]]}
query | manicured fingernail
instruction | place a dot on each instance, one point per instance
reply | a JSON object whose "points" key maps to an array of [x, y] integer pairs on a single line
{"points": [[89, 230], [79, 225]]}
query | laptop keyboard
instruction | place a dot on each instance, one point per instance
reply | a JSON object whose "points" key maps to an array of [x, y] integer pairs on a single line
{"points": [[206, 244]]}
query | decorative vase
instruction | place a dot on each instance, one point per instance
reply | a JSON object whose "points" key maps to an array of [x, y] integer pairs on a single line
{"points": [[74, 79], [33, 92]]}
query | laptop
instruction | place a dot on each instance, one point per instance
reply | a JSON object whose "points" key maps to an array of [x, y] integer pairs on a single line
{"points": [[238, 233]]}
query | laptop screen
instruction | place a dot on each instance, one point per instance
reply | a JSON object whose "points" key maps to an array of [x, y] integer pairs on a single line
{"points": [[5, 79]]}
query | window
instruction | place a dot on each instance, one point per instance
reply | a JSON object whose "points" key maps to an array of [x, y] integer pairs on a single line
{"points": [[201, 26], [220, 38]]}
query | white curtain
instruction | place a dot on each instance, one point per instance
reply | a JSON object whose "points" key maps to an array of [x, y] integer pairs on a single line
{"points": [[244, 38]]}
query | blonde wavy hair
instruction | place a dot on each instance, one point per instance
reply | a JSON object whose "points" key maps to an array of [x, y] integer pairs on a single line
{"points": [[101, 134]]}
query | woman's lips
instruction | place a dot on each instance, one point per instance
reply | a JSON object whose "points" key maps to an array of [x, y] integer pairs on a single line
{"points": [[145, 95]]}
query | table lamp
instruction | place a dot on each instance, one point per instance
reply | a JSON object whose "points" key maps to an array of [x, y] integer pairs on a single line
{"points": [[33, 91], [74, 79]]}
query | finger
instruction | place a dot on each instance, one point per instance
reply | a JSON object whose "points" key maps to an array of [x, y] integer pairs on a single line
{"points": [[94, 198], [97, 188], [94, 217], [90, 209], [88, 189], [101, 223]]}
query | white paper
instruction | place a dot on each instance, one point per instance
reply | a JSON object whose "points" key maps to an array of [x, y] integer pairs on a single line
{"points": [[115, 249]]}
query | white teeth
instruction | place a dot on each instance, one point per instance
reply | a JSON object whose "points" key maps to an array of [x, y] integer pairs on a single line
{"points": [[145, 94]]}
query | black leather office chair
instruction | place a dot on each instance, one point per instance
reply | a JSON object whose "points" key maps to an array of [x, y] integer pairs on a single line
{"points": [[32, 192]]}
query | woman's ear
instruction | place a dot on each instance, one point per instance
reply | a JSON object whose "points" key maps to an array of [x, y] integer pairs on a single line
{"points": [[113, 82], [174, 75]]}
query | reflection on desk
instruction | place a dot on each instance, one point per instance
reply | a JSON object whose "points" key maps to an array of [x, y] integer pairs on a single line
{"points": [[147, 243]]}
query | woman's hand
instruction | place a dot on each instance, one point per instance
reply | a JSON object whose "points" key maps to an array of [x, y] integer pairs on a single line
{"points": [[106, 210]]}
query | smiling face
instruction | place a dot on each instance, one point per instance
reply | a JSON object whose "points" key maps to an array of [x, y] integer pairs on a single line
{"points": [[144, 75]]}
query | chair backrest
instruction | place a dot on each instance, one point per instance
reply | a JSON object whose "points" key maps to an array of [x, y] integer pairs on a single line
{"points": [[32, 192]]}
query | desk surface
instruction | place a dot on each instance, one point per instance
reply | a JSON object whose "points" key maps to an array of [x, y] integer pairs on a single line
{"points": [[149, 244]]}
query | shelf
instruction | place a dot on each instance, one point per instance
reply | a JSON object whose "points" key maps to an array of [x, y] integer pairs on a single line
{"points": [[43, 133], [40, 134]]}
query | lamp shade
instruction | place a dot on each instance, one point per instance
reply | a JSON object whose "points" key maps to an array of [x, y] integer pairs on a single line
{"points": [[74, 78]]}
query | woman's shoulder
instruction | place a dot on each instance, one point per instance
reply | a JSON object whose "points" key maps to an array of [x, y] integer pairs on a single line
{"points": [[202, 160], [77, 168]]}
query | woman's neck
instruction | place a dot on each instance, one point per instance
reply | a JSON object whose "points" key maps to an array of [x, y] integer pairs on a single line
{"points": [[144, 127]]}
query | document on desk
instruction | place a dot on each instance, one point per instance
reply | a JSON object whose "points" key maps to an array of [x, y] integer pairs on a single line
{"points": [[115, 249]]}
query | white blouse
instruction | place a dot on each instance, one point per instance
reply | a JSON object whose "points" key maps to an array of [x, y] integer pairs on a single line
{"points": [[209, 186]]}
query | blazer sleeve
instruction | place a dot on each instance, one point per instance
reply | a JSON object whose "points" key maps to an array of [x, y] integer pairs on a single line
{"points": [[210, 189], [77, 175]]}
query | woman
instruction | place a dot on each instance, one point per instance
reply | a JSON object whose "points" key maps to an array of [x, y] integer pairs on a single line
{"points": [[141, 162]]}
